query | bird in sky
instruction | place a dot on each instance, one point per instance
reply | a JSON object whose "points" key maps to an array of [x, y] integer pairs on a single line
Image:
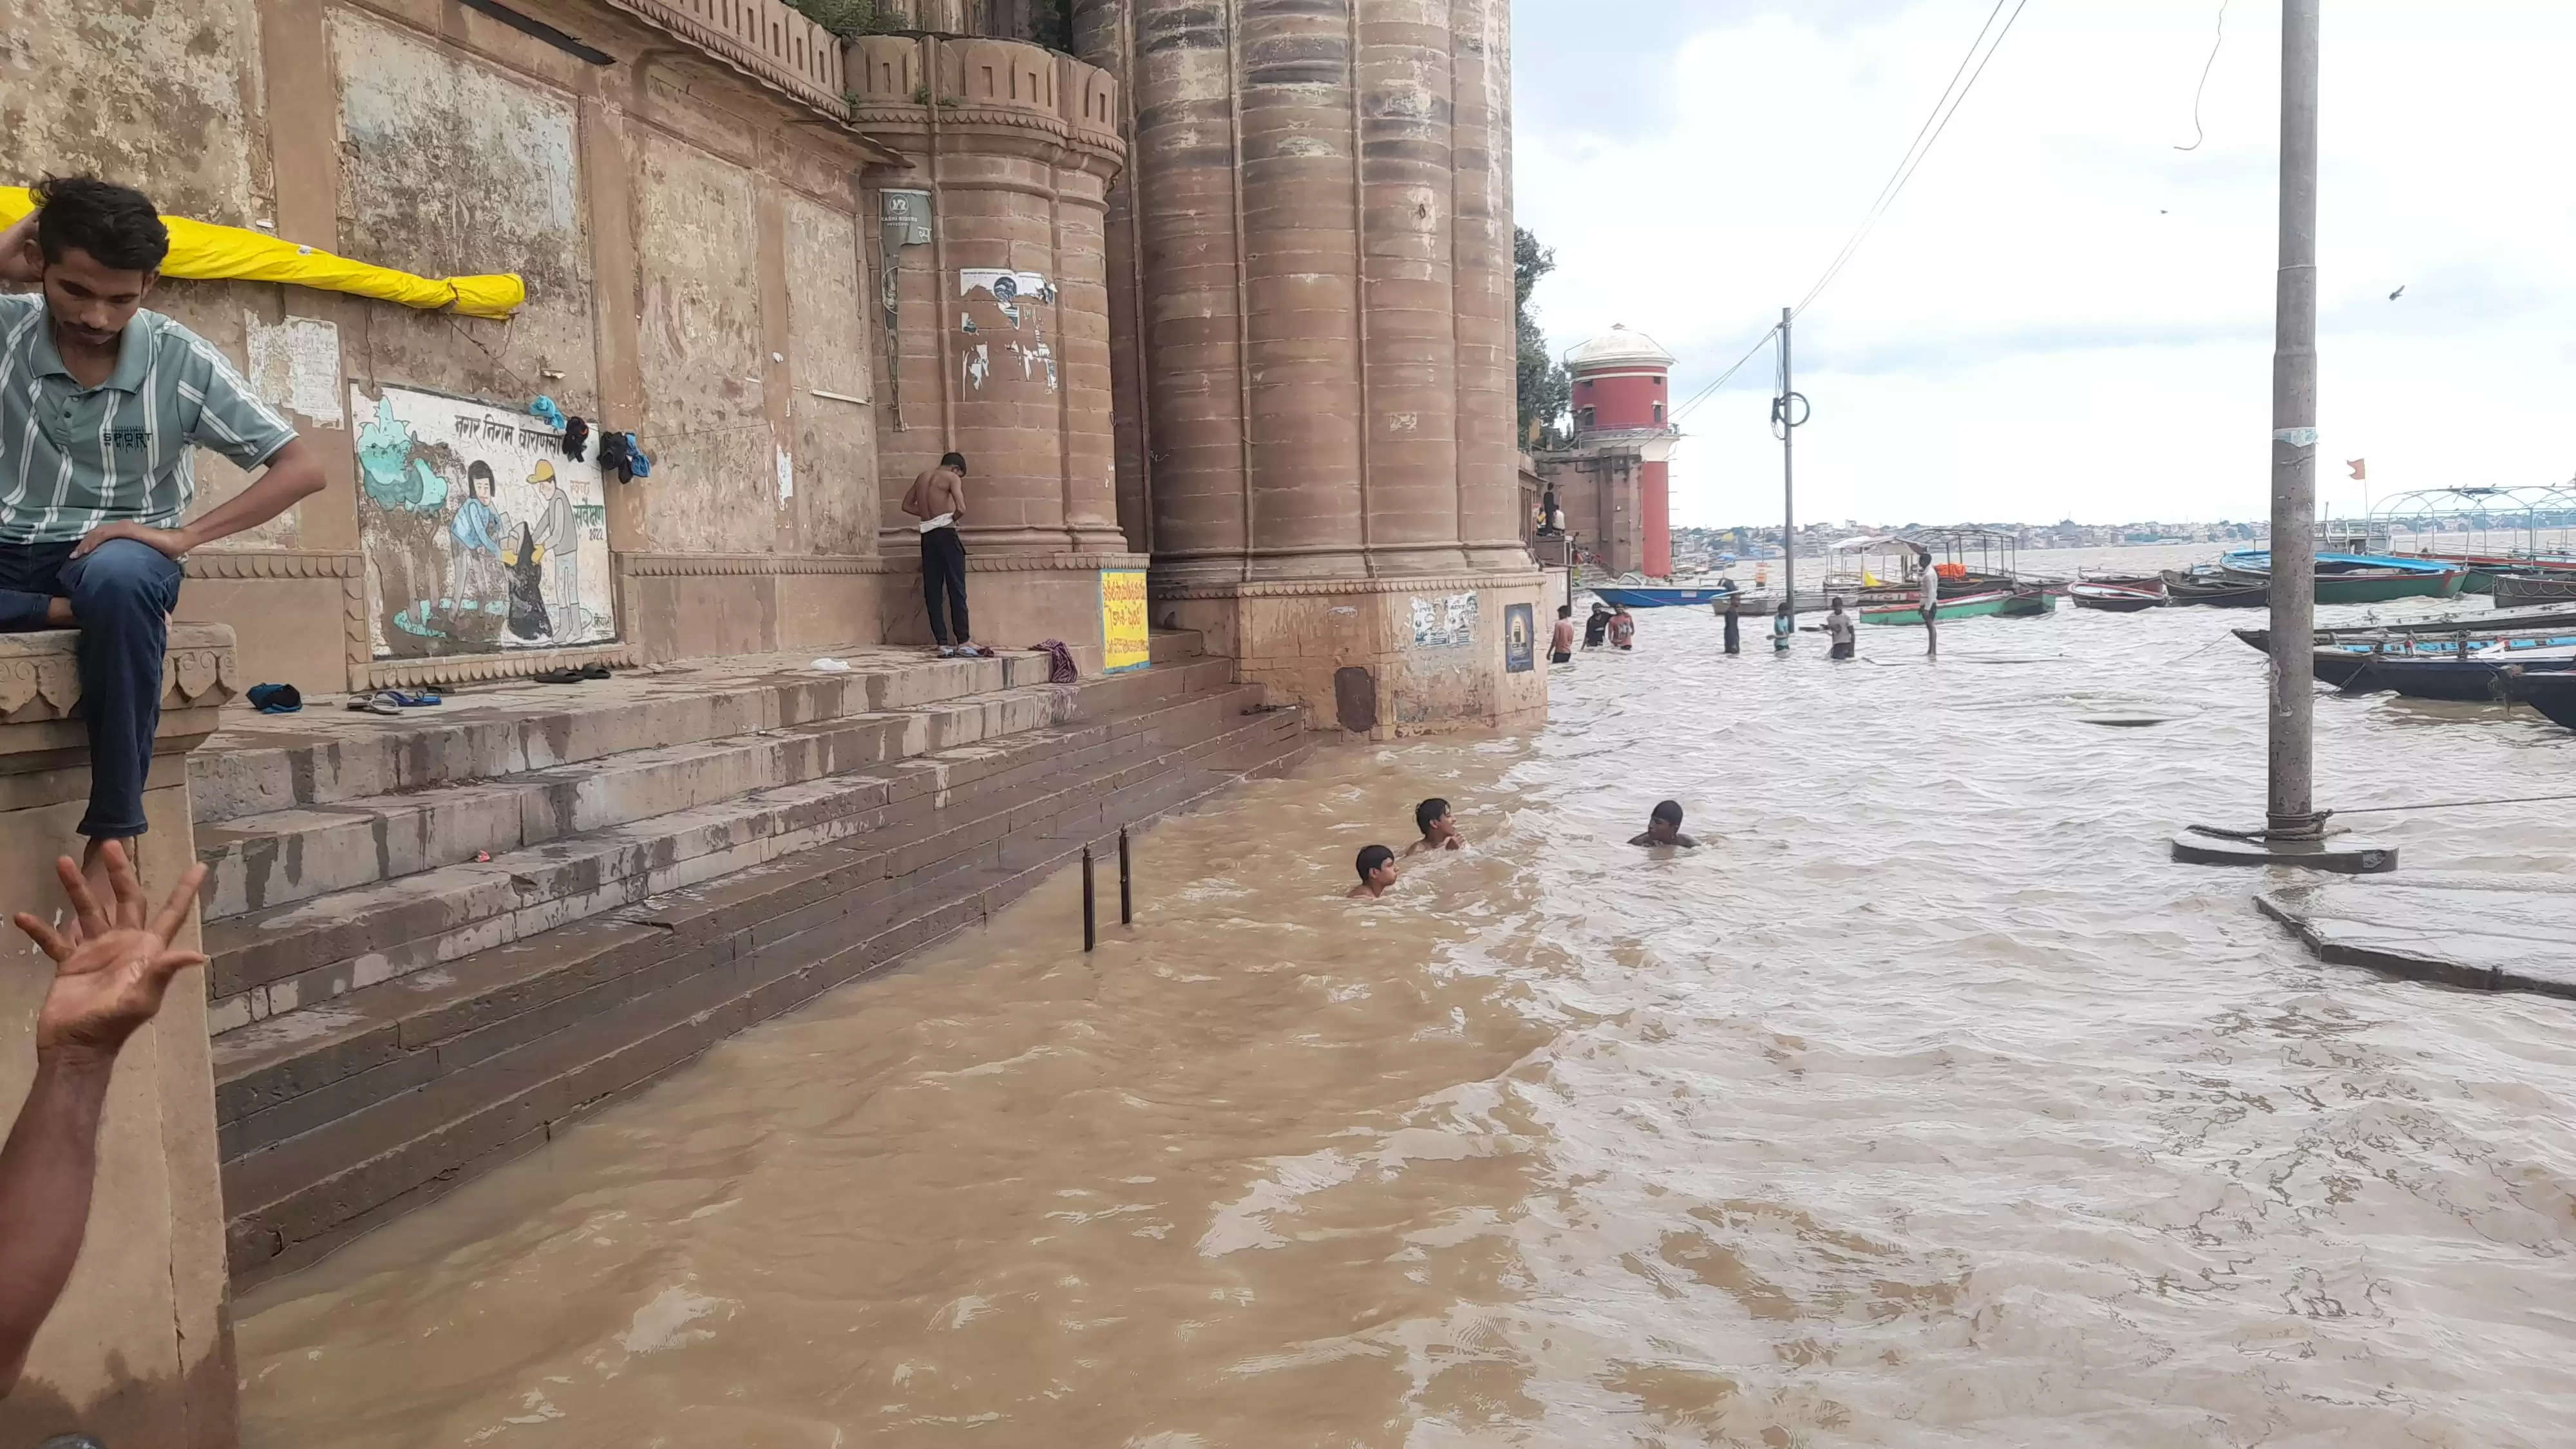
{"points": [[2400, 292]]}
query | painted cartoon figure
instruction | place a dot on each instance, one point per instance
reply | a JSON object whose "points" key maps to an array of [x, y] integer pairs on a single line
{"points": [[525, 561], [557, 530], [478, 580]]}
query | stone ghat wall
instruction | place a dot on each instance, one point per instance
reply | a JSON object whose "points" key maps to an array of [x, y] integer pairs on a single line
{"points": [[684, 208]]}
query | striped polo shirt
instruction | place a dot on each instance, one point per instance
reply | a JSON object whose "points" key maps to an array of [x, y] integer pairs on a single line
{"points": [[74, 457]]}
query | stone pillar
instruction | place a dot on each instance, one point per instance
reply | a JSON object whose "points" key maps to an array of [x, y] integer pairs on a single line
{"points": [[1000, 334], [1320, 323], [139, 1350]]}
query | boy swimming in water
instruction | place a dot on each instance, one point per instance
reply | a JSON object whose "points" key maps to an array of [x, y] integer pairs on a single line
{"points": [[1439, 832], [1377, 872], [1665, 828]]}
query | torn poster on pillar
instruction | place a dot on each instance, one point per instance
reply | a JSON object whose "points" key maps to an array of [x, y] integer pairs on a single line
{"points": [[1030, 358], [1006, 285], [979, 365], [786, 477], [296, 365], [1448, 622]]}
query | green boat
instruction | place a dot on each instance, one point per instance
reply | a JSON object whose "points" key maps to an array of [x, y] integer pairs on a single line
{"points": [[2358, 578], [1966, 606]]}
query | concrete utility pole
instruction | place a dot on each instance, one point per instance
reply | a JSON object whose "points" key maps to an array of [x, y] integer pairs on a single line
{"points": [[2291, 804], [2293, 831]]}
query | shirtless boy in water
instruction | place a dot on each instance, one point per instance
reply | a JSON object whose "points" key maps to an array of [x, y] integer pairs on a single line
{"points": [[1377, 873], [1665, 828], [1439, 832]]}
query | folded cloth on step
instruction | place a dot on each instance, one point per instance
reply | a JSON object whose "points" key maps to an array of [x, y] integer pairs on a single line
{"points": [[276, 698], [1060, 666]]}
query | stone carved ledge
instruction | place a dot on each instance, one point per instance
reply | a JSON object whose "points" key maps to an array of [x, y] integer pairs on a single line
{"points": [[699, 565], [1316, 588], [273, 564], [476, 668], [1014, 563], [1105, 144], [40, 673]]}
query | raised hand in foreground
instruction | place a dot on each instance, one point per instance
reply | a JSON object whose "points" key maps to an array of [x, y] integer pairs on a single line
{"points": [[107, 984]]}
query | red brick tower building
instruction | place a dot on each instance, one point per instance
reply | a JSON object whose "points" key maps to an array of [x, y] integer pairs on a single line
{"points": [[1614, 483]]}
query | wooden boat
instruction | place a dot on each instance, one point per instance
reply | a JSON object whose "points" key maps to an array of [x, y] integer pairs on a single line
{"points": [[2440, 633], [2458, 679], [2515, 587], [2553, 694], [2358, 578], [2209, 588], [2116, 598], [2484, 568], [2028, 600], [1961, 606], [1659, 596]]}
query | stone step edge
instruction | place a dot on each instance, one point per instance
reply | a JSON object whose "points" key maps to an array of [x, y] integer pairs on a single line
{"points": [[259, 1068], [238, 776], [240, 844], [455, 910], [621, 1069]]}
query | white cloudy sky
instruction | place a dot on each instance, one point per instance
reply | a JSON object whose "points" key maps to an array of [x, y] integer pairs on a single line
{"points": [[2063, 315]]}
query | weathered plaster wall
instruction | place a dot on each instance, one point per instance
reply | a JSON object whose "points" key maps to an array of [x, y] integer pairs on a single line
{"points": [[701, 356], [450, 166], [833, 439]]}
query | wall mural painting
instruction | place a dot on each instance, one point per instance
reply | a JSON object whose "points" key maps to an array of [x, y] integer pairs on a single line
{"points": [[480, 535]]}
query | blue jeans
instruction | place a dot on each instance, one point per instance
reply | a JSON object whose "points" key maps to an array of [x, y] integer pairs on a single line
{"points": [[121, 596]]}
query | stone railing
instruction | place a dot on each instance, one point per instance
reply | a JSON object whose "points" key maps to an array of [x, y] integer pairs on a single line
{"points": [[890, 76], [766, 38]]}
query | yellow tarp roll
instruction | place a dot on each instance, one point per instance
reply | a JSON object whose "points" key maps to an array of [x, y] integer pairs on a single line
{"points": [[204, 252]]}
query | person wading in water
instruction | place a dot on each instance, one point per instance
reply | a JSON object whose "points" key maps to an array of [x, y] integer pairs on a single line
{"points": [[1377, 873], [938, 499], [1838, 628], [1664, 827], [1560, 647], [1931, 602], [1734, 638]]}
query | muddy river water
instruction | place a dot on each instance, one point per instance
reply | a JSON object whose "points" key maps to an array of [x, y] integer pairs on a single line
{"points": [[1926, 1104]]}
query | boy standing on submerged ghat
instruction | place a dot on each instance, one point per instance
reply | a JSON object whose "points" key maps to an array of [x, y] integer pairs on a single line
{"points": [[1377, 872], [1665, 828], [1560, 648]]}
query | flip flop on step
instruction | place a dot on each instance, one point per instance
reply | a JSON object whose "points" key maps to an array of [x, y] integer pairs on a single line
{"points": [[560, 676], [373, 704], [408, 700]]}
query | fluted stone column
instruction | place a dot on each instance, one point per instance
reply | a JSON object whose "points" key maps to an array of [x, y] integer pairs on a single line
{"points": [[1310, 285], [999, 328], [138, 1351]]}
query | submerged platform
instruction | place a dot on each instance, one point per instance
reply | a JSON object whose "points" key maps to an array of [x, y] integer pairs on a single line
{"points": [[2484, 931]]}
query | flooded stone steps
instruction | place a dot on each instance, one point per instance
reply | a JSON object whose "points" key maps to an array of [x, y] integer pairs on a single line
{"points": [[279, 857], [397, 1091], [260, 763], [272, 962]]}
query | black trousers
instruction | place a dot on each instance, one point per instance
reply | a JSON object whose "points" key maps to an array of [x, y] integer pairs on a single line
{"points": [[943, 584]]}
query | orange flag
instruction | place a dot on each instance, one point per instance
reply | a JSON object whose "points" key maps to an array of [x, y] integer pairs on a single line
{"points": [[2360, 467]]}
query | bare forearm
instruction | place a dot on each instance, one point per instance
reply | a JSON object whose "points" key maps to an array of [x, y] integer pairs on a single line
{"points": [[293, 475], [46, 1172]]}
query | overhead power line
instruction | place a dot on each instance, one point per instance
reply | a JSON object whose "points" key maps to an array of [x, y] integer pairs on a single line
{"points": [[1963, 79]]}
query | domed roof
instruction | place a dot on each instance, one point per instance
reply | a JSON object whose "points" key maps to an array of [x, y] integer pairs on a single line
{"points": [[1618, 347]]}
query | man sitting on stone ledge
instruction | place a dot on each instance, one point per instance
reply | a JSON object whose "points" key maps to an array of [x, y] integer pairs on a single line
{"points": [[100, 402]]}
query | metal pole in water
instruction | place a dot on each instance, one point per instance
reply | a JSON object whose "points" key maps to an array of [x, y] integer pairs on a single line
{"points": [[1126, 888], [1088, 933], [2291, 801], [1788, 478]]}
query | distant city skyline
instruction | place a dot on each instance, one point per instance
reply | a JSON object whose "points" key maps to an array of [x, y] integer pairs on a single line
{"points": [[2066, 314]]}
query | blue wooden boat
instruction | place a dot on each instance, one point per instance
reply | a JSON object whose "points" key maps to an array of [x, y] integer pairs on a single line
{"points": [[2356, 578], [1659, 596], [2466, 679], [2553, 695]]}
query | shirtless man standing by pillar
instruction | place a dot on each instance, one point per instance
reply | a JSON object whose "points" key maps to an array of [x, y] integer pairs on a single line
{"points": [[938, 499]]}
